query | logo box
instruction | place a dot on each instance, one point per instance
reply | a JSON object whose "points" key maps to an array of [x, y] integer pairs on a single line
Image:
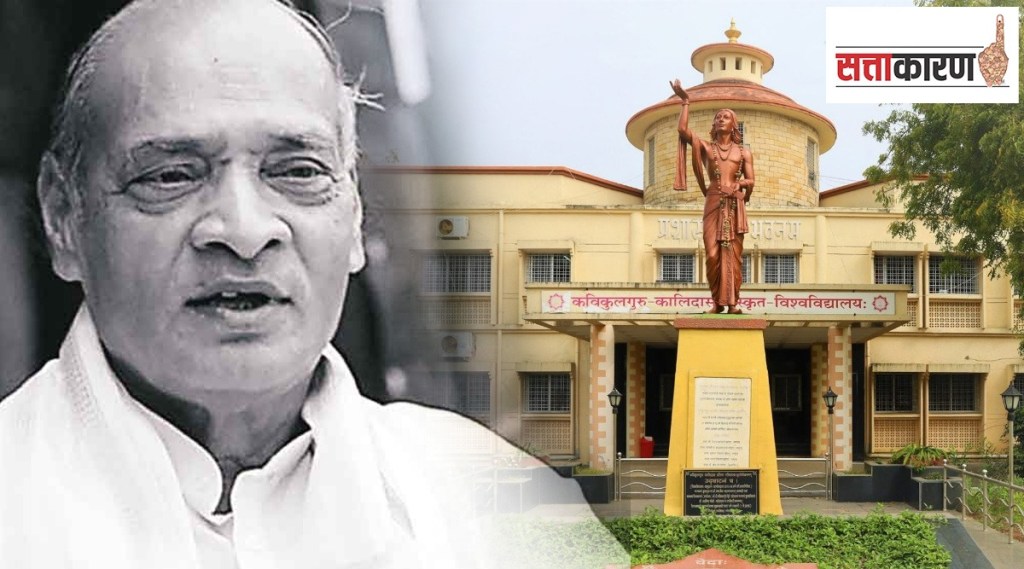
{"points": [[922, 55]]}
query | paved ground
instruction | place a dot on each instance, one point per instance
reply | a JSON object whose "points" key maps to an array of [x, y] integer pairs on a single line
{"points": [[992, 544]]}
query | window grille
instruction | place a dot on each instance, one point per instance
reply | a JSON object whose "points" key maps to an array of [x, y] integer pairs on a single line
{"points": [[739, 128], [894, 393], [952, 392], [456, 273], [962, 279], [812, 163], [466, 392], [548, 268], [546, 393], [650, 161], [748, 262], [896, 270], [780, 269], [678, 268], [786, 392], [1018, 382]]}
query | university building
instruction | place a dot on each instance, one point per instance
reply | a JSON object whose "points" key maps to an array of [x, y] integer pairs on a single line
{"points": [[544, 287]]}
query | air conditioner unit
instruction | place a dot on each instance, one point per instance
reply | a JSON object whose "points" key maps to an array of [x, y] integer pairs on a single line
{"points": [[457, 345], [451, 227]]}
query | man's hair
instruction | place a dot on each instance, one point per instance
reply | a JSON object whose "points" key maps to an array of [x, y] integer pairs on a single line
{"points": [[73, 113]]}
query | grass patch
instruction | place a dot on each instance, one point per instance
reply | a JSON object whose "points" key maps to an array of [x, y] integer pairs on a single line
{"points": [[878, 540]]}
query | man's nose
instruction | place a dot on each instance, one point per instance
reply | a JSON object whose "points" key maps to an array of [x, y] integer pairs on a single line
{"points": [[238, 217]]}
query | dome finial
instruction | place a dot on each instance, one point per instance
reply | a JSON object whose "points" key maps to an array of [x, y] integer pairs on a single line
{"points": [[732, 33]]}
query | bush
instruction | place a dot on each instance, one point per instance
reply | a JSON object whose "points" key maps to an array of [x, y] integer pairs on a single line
{"points": [[878, 540], [919, 456]]}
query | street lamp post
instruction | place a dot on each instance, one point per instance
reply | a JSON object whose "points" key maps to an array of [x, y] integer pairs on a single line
{"points": [[830, 398], [1011, 401], [615, 399]]}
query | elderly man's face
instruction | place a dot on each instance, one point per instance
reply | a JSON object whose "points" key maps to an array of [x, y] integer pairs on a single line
{"points": [[219, 224]]}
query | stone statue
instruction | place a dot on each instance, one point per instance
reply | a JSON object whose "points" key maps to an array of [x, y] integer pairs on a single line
{"points": [[730, 167]]}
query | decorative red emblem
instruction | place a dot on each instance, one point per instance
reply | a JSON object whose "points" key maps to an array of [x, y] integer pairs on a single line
{"points": [[556, 301], [880, 303]]}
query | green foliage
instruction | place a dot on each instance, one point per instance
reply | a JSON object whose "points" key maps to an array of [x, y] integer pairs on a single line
{"points": [[525, 542], [957, 169], [919, 456], [1018, 429], [998, 499], [877, 540]]}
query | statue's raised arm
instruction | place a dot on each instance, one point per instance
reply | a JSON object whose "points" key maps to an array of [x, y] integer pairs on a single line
{"points": [[686, 137], [684, 116]]}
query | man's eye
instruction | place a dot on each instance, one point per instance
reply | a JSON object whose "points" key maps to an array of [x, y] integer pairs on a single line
{"points": [[176, 176], [297, 170], [167, 182], [301, 177]]}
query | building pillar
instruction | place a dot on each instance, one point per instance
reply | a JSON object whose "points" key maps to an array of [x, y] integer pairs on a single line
{"points": [[819, 413], [602, 381], [636, 397], [840, 378]]}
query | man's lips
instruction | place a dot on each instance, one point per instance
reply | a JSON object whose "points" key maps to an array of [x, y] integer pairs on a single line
{"points": [[238, 295]]}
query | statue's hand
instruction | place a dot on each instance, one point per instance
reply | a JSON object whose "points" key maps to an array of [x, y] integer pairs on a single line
{"points": [[677, 88]]}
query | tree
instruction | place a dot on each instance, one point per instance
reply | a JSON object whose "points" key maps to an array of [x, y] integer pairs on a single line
{"points": [[959, 171]]}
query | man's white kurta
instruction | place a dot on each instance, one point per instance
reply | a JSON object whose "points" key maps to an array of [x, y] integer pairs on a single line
{"points": [[91, 478]]}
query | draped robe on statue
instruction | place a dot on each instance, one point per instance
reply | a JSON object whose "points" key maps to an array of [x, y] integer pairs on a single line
{"points": [[725, 223]]}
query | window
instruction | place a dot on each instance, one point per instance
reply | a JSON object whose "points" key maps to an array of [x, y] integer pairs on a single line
{"points": [[548, 268], [896, 270], [961, 278], [456, 272], [1018, 382], [650, 161], [739, 63], [952, 392], [739, 128], [785, 392], [678, 268], [812, 163], [546, 393], [780, 269], [894, 393], [466, 392], [748, 262]]}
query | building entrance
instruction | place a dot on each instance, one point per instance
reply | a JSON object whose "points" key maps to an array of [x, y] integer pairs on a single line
{"points": [[789, 377]]}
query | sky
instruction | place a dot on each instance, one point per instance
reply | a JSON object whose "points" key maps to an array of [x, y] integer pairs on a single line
{"points": [[553, 82]]}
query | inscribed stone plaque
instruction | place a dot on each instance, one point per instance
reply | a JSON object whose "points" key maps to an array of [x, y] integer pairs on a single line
{"points": [[720, 491], [721, 422]]}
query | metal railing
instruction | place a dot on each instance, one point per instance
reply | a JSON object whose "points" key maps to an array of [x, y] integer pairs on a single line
{"points": [[991, 498], [804, 484], [632, 488]]}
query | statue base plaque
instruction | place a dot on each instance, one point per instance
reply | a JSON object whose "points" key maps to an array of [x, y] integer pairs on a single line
{"points": [[722, 450]]}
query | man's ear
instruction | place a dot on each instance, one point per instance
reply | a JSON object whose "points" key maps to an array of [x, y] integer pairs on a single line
{"points": [[357, 255], [59, 218]]}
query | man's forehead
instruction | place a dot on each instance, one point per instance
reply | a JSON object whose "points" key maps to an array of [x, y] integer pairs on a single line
{"points": [[238, 36]]}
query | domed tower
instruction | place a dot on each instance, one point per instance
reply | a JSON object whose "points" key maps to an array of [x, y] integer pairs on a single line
{"points": [[785, 138]]}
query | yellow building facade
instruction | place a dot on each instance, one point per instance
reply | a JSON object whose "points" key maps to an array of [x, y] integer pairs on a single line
{"points": [[544, 287]]}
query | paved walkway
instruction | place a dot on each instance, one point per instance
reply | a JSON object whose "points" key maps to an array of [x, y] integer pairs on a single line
{"points": [[994, 545]]}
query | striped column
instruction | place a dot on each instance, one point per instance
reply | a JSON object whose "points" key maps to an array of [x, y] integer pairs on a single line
{"points": [[840, 377], [819, 413], [602, 380], [636, 397]]}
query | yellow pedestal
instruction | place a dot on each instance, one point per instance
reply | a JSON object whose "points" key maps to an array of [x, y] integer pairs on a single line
{"points": [[721, 368]]}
